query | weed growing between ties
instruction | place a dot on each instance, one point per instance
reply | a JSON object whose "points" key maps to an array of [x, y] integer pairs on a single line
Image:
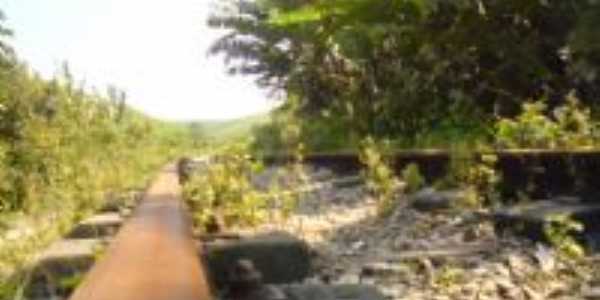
{"points": [[412, 177], [222, 194], [225, 194], [559, 230], [476, 175], [379, 176]]}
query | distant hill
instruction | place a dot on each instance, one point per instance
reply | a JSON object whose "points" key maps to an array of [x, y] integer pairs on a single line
{"points": [[221, 131]]}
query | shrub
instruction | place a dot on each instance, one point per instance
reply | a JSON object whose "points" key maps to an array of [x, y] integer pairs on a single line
{"points": [[575, 124], [411, 175], [485, 180], [558, 230], [378, 175], [223, 191], [318, 134], [476, 175], [461, 161], [567, 126]]}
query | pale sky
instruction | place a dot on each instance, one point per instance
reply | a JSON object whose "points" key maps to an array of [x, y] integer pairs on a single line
{"points": [[154, 49]]}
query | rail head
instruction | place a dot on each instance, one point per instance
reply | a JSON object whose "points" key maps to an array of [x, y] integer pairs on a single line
{"points": [[153, 257]]}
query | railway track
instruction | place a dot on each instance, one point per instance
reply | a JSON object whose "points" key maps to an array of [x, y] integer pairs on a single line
{"points": [[156, 257], [153, 257]]}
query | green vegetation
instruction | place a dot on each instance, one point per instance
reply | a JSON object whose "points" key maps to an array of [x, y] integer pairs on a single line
{"points": [[465, 76], [476, 175], [558, 230], [569, 126], [449, 277], [223, 194], [363, 75], [379, 176], [418, 73], [221, 132], [64, 151], [411, 175]]}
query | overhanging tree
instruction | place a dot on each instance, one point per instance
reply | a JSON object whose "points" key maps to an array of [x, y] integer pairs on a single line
{"points": [[401, 66]]}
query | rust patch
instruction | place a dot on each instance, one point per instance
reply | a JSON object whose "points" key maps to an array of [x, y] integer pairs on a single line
{"points": [[153, 257]]}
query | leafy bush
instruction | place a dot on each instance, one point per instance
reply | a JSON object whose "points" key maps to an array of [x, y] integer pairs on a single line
{"points": [[558, 230], [568, 126], [531, 129], [329, 133], [411, 175], [474, 174], [61, 146], [399, 67], [448, 277], [223, 191], [461, 160], [577, 129], [378, 175], [484, 177]]}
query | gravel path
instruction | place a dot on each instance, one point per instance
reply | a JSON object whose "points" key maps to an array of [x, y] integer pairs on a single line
{"points": [[413, 255]]}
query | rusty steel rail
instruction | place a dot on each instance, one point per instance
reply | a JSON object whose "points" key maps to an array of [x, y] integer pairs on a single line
{"points": [[153, 257]]}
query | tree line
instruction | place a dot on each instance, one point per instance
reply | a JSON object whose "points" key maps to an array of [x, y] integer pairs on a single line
{"points": [[404, 68]]}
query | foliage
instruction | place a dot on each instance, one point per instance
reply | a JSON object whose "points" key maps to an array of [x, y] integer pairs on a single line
{"points": [[461, 160], [530, 129], [396, 68], [569, 126], [287, 186], [558, 230], [378, 175], [286, 190], [413, 178], [64, 151], [484, 177], [288, 127], [323, 134], [63, 148], [448, 277], [327, 133], [237, 190], [226, 190], [475, 175], [447, 133], [71, 282], [223, 190], [575, 124]]}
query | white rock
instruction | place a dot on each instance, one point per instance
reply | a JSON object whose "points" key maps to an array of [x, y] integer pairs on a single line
{"points": [[546, 258]]}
